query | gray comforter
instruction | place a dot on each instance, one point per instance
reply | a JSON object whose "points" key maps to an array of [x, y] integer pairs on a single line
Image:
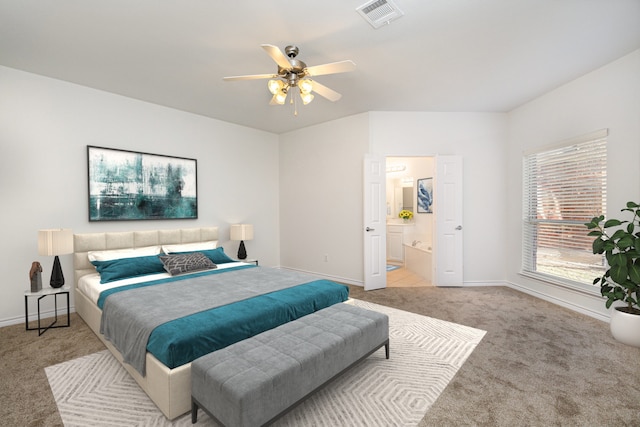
{"points": [[129, 317]]}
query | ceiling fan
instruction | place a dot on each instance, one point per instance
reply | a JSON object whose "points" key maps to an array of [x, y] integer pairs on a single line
{"points": [[293, 73]]}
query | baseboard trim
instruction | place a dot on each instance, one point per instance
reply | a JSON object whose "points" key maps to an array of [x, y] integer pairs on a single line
{"points": [[34, 317], [326, 276], [12, 321], [560, 302], [472, 284]]}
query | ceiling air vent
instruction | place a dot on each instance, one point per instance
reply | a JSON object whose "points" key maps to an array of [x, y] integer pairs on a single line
{"points": [[379, 12]]}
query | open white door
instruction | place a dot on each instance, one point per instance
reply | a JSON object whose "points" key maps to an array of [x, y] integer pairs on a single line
{"points": [[448, 211], [375, 271]]}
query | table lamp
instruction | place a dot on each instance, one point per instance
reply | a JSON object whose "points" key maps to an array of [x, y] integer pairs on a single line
{"points": [[55, 242], [242, 232]]}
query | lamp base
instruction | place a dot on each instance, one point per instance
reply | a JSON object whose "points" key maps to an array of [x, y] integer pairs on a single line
{"points": [[57, 278], [242, 253]]}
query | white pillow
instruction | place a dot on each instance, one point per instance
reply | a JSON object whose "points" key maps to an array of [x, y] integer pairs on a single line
{"points": [[189, 247], [123, 253]]}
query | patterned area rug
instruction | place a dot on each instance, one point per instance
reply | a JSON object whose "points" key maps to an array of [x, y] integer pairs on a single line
{"points": [[425, 355]]}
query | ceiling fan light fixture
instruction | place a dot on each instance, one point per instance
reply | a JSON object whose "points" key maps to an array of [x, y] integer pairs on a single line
{"points": [[293, 73], [281, 96], [275, 100], [275, 86], [305, 85], [306, 97]]}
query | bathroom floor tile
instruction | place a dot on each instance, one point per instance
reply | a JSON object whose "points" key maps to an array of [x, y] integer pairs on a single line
{"points": [[403, 278]]}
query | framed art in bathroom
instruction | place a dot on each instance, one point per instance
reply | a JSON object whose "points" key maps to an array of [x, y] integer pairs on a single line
{"points": [[425, 195]]}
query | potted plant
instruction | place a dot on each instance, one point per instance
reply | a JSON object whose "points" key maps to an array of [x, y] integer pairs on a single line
{"points": [[406, 215], [621, 281]]}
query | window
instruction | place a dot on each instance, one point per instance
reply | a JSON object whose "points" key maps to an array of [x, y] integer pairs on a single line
{"points": [[564, 187]]}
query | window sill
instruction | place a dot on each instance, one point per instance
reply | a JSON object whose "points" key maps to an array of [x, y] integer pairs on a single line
{"points": [[567, 284]]}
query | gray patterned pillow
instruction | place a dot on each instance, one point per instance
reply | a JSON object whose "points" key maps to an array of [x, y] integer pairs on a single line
{"points": [[185, 263]]}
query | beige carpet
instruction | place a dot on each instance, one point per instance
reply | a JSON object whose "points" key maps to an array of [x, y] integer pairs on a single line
{"points": [[538, 364], [425, 355]]}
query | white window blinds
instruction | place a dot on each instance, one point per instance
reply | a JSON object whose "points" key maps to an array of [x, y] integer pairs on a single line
{"points": [[564, 187]]}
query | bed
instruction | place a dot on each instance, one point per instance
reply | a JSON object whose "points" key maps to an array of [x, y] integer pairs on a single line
{"points": [[234, 286]]}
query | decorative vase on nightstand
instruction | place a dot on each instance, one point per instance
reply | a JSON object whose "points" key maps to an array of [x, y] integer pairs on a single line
{"points": [[35, 275]]}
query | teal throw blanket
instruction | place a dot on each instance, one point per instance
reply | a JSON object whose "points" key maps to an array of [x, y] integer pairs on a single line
{"points": [[185, 339]]}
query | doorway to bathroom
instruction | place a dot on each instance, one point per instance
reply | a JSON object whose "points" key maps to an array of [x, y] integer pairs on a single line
{"points": [[443, 242], [410, 221]]}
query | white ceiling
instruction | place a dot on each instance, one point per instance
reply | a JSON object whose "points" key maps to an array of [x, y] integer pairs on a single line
{"points": [[442, 55]]}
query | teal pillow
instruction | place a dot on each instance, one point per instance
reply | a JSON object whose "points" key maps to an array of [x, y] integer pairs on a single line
{"points": [[125, 268], [216, 255]]}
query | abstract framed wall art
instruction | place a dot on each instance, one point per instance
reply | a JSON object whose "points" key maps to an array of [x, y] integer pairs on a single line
{"points": [[129, 185], [425, 195]]}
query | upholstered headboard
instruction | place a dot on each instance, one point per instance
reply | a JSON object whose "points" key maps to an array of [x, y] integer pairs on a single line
{"points": [[86, 242]]}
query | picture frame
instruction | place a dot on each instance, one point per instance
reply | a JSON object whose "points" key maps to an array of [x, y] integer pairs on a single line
{"points": [[425, 195], [126, 185]]}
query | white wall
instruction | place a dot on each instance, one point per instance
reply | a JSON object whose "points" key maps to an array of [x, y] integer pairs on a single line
{"points": [[321, 187], [45, 126], [321, 170], [605, 98], [480, 138]]}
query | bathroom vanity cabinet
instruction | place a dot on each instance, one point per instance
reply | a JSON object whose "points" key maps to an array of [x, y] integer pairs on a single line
{"points": [[395, 243]]}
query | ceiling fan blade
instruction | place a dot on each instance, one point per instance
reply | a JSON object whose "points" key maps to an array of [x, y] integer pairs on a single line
{"points": [[276, 54], [331, 68], [324, 91], [250, 77]]}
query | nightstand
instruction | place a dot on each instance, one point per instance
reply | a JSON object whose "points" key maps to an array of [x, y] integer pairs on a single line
{"points": [[40, 295]]}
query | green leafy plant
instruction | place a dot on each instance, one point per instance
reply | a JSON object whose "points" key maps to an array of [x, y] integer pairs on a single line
{"points": [[621, 282]]}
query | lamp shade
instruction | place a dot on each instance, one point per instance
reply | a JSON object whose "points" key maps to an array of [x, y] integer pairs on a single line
{"points": [[306, 97], [305, 85], [280, 97], [275, 86], [241, 232], [56, 241]]}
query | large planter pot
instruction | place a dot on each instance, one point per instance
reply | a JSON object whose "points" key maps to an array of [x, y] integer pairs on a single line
{"points": [[625, 327]]}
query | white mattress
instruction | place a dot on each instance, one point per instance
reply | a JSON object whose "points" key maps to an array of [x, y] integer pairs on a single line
{"points": [[90, 284]]}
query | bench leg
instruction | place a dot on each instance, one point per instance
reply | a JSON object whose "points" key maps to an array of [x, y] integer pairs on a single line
{"points": [[386, 349], [194, 411]]}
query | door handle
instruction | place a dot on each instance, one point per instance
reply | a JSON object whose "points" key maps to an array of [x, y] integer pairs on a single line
{"points": [[370, 229], [459, 227]]}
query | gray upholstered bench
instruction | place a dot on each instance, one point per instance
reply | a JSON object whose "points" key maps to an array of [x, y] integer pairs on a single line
{"points": [[255, 381]]}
